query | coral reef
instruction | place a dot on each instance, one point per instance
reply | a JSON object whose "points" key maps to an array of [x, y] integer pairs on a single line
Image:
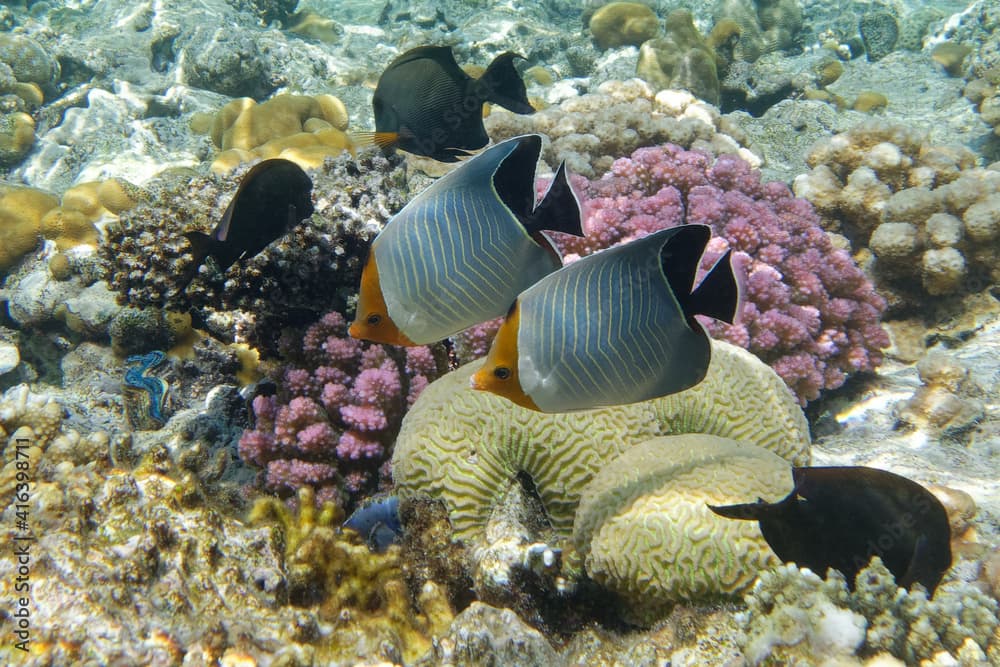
{"points": [[623, 24], [590, 131], [21, 212], [879, 32], [337, 411], [465, 446], [300, 128], [309, 271], [682, 59], [794, 616], [809, 311], [925, 211], [763, 26], [644, 529]]}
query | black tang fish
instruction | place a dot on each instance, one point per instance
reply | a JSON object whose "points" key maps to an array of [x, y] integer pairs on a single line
{"points": [[840, 517], [273, 196], [425, 104]]}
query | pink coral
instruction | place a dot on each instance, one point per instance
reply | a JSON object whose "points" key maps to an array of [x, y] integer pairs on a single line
{"points": [[809, 311], [337, 411]]}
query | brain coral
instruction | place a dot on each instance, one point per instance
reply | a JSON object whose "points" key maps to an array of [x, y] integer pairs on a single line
{"points": [[809, 310], [645, 530], [925, 211], [464, 446]]}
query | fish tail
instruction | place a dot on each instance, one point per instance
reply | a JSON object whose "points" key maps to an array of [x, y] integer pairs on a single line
{"points": [[381, 139], [559, 209], [201, 248], [718, 294], [501, 84]]}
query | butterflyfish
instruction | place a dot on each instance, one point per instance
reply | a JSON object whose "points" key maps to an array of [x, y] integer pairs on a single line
{"points": [[841, 517], [425, 104], [460, 251], [614, 327], [274, 196]]}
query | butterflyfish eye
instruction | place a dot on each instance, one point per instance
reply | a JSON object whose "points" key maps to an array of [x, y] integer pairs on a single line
{"points": [[374, 319], [501, 372]]}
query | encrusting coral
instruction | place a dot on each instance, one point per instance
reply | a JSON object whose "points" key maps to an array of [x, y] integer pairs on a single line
{"points": [[312, 269], [926, 212], [795, 617], [623, 24], [465, 446], [336, 413]]}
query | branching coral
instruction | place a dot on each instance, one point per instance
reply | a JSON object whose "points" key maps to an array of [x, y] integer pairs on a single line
{"points": [[337, 411], [364, 592], [794, 616], [809, 312]]}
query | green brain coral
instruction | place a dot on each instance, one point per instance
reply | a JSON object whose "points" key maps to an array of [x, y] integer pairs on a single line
{"points": [[645, 530], [465, 446]]}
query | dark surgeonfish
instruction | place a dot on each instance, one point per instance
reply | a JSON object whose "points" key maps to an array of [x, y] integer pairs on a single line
{"points": [[460, 252], [378, 523], [425, 104], [612, 328], [840, 517], [274, 196]]}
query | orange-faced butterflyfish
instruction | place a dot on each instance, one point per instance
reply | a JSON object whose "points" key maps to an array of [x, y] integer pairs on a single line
{"points": [[461, 251], [612, 328]]}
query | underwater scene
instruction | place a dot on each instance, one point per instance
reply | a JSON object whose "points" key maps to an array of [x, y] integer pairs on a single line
{"points": [[486, 332]]}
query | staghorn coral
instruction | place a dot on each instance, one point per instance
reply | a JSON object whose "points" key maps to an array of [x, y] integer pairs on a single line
{"points": [[336, 413], [645, 531], [466, 447], [809, 311], [311, 270], [589, 132], [794, 616], [925, 211]]}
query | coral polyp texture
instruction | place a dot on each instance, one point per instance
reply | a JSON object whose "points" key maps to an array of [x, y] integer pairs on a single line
{"points": [[794, 617], [338, 408], [590, 131], [465, 446], [809, 311], [312, 269], [926, 212]]}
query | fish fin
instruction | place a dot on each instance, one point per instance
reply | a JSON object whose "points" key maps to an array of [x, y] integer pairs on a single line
{"points": [[718, 294], [559, 209], [501, 84], [381, 139], [746, 511], [201, 247]]}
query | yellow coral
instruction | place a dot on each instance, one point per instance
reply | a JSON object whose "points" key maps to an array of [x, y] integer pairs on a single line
{"points": [[117, 195], [68, 228], [83, 198], [246, 130], [21, 211], [17, 136], [623, 24]]}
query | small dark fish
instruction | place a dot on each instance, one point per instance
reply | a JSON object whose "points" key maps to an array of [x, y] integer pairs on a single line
{"points": [[274, 196], [378, 523], [425, 104], [840, 517]]}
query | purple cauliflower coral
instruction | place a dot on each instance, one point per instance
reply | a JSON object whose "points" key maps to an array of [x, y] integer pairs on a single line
{"points": [[809, 311], [336, 412]]}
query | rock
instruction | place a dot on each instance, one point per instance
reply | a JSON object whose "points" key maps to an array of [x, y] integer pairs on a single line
{"points": [[10, 357]]}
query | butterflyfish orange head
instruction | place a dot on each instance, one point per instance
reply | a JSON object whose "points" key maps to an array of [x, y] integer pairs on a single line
{"points": [[372, 321], [499, 373]]}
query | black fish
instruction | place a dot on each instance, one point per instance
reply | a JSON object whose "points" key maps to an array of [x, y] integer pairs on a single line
{"points": [[274, 196], [425, 104], [378, 523], [840, 517]]}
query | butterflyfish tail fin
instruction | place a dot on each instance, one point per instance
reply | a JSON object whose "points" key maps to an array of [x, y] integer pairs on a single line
{"points": [[501, 84], [718, 294], [559, 209]]}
